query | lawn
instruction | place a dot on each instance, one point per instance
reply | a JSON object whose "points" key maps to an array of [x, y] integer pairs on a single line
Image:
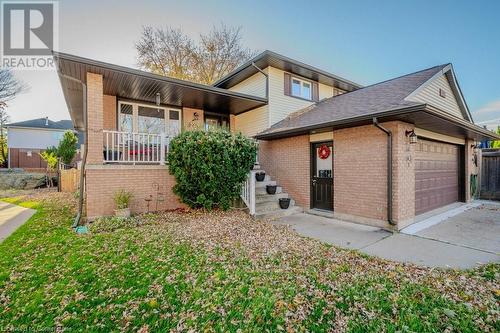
{"points": [[198, 271]]}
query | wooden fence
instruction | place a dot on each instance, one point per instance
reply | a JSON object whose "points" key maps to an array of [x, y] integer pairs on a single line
{"points": [[69, 180], [490, 174]]}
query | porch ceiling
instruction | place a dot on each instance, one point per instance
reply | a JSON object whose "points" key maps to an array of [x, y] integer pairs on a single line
{"points": [[134, 84]]}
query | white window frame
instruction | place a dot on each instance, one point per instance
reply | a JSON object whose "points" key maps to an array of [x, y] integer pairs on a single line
{"points": [[135, 115], [301, 82]]}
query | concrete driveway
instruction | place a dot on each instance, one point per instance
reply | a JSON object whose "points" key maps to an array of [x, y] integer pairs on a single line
{"points": [[462, 241], [12, 217]]}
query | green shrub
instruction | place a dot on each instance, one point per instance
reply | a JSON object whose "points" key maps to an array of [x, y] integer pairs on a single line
{"points": [[51, 158], [210, 167], [122, 199], [66, 150]]}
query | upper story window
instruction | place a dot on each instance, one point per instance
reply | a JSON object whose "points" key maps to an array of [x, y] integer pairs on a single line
{"points": [[143, 118], [301, 88]]}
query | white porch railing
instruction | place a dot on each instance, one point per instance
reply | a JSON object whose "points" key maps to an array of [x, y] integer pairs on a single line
{"points": [[248, 192], [135, 148]]}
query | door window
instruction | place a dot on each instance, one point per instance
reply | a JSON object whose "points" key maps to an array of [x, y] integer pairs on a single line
{"points": [[324, 161]]}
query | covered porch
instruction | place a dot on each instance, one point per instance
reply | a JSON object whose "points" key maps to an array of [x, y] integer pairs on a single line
{"points": [[130, 116]]}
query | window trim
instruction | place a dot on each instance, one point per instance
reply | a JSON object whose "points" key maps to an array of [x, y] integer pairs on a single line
{"points": [[301, 81], [135, 114]]}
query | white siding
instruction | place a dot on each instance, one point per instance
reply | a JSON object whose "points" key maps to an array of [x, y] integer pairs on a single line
{"points": [[252, 122], [437, 136], [32, 138], [280, 105], [430, 95], [255, 85]]}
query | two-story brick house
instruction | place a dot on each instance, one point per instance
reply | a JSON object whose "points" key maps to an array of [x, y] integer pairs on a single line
{"points": [[378, 155]]}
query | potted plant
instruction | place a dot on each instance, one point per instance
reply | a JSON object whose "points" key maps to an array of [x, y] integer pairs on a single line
{"points": [[122, 201], [284, 203], [259, 176], [271, 189]]}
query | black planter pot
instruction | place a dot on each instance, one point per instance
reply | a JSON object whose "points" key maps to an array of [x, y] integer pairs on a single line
{"points": [[284, 203], [259, 176], [271, 189]]}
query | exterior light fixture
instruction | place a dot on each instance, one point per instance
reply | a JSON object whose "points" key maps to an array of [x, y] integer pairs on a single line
{"points": [[412, 137], [158, 99], [475, 148]]}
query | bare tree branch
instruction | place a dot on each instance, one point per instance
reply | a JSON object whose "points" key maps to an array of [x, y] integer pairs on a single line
{"points": [[4, 119], [170, 52], [9, 86]]}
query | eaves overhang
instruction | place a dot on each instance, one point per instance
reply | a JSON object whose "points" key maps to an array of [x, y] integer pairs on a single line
{"points": [[129, 83], [422, 116]]}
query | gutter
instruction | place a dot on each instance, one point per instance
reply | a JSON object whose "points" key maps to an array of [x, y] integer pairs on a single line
{"points": [[79, 214], [365, 119], [389, 169]]}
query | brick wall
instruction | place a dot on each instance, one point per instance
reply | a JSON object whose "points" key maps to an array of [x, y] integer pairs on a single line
{"points": [[403, 175], [287, 161], [143, 181], [360, 174], [109, 112], [470, 168], [95, 118], [189, 121]]}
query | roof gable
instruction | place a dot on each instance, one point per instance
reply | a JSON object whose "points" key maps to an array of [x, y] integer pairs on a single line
{"points": [[442, 91], [371, 100], [273, 59]]}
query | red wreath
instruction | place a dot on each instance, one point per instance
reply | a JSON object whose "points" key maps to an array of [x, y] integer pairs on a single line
{"points": [[324, 152]]}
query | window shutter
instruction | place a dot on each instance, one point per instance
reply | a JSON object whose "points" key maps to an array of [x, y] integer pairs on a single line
{"points": [[315, 92], [288, 81]]}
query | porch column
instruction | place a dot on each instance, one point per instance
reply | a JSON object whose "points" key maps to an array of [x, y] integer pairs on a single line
{"points": [[95, 118]]}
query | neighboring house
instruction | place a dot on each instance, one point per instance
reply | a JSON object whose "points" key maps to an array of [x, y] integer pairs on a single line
{"points": [[324, 139], [27, 139]]}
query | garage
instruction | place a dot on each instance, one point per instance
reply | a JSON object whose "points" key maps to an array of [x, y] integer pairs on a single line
{"points": [[436, 175]]}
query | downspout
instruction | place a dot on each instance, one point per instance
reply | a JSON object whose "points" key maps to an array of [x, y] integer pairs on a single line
{"points": [[389, 169], [84, 158], [267, 79]]}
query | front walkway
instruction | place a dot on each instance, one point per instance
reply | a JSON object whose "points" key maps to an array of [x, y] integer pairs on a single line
{"points": [[462, 241], [12, 217]]}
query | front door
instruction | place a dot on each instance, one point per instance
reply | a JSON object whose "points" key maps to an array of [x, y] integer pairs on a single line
{"points": [[322, 175]]}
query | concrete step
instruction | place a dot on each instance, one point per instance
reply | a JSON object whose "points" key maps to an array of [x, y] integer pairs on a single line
{"points": [[270, 197], [262, 190], [274, 214], [262, 207], [264, 183]]}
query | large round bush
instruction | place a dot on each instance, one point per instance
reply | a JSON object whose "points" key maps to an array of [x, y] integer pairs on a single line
{"points": [[210, 167]]}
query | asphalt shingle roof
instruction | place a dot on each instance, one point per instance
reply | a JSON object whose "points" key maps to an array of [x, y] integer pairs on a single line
{"points": [[44, 123], [370, 100]]}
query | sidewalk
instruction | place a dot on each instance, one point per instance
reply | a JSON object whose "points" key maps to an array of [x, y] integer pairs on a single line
{"points": [[11, 218]]}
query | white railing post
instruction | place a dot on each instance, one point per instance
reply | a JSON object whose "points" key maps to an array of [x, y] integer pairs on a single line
{"points": [[252, 193], [248, 192], [162, 151]]}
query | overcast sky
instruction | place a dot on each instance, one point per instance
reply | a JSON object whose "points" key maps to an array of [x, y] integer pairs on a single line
{"points": [[363, 41]]}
